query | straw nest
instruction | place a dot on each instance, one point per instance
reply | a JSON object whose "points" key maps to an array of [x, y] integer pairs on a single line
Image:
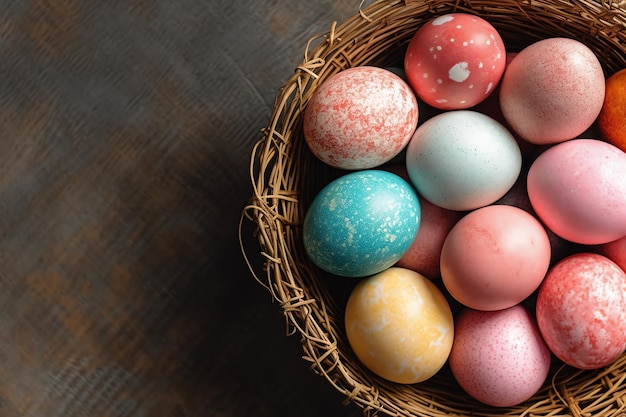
{"points": [[285, 177]]}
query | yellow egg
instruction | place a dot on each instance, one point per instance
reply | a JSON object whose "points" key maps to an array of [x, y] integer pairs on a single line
{"points": [[399, 325]]}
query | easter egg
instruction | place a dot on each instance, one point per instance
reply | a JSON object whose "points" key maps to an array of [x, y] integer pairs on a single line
{"points": [[361, 223], [360, 118], [455, 61], [399, 325], [581, 310], [552, 90], [495, 257], [612, 117], [499, 357], [461, 160], [577, 189]]}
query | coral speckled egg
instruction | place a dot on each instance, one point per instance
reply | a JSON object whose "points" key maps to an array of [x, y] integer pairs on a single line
{"points": [[399, 325], [360, 118], [455, 61], [581, 310], [577, 189], [461, 160], [499, 357], [552, 90], [361, 223], [495, 257]]}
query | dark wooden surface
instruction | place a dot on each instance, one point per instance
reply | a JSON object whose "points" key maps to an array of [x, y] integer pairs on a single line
{"points": [[125, 134]]}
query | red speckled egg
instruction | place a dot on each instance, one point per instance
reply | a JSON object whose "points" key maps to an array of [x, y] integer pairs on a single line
{"points": [[577, 189], [495, 257], [581, 310], [499, 357], [360, 118], [455, 61], [552, 90]]}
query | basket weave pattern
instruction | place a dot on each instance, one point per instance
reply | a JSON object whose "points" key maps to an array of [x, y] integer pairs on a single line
{"points": [[285, 177]]}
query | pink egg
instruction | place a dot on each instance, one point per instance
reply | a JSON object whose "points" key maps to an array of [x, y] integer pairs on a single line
{"points": [[552, 90], [499, 357], [495, 257], [360, 118], [615, 251], [455, 61], [577, 189], [581, 310]]}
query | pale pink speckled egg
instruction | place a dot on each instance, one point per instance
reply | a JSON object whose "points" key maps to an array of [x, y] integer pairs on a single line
{"points": [[499, 357], [581, 310], [552, 90], [360, 118]]}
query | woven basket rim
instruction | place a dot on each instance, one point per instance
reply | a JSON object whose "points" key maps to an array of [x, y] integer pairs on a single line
{"points": [[284, 177]]}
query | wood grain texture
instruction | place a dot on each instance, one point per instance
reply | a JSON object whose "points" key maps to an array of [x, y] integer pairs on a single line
{"points": [[125, 132]]}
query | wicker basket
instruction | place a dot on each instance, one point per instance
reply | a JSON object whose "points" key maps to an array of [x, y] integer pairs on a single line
{"points": [[285, 177]]}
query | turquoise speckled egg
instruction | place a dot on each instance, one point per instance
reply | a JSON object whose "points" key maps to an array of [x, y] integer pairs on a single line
{"points": [[361, 223]]}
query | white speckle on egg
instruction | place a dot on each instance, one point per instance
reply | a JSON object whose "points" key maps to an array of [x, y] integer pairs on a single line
{"points": [[439, 48], [459, 72], [439, 81], [451, 39], [442, 19], [425, 75], [459, 26], [465, 43], [489, 87], [480, 64]]}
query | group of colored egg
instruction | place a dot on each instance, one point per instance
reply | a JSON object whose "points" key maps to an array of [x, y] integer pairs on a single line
{"points": [[509, 193]]}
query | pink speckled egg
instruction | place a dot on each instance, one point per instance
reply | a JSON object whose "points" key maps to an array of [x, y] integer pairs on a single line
{"points": [[455, 61], [581, 310], [360, 118], [495, 257], [577, 189], [552, 91], [499, 357]]}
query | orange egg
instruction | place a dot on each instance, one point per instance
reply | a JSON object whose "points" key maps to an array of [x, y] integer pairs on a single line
{"points": [[612, 117]]}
